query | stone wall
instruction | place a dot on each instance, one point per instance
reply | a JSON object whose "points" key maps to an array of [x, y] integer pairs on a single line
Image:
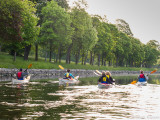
{"points": [[8, 74]]}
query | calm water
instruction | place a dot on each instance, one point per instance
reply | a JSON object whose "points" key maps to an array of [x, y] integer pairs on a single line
{"points": [[49, 101]]}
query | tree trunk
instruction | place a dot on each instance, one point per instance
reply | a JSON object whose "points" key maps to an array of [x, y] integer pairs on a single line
{"points": [[102, 60], [68, 54], [26, 52], [91, 58], [109, 63], [82, 58], [50, 56], [50, 53], [56, 58], [46, 53], [58, 55], [117, 62], [85, 60], [104, 63], [36, 52], [99, 56], [69, 58], [14, 58], [77, 56]]}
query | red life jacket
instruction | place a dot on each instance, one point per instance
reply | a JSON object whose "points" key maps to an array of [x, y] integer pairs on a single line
{"points": [[141, 75], [19, 74]]}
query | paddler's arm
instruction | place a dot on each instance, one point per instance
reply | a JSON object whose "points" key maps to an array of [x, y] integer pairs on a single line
{"points": [[99, 80], [24, 74], [71, 75], [146, 77]]}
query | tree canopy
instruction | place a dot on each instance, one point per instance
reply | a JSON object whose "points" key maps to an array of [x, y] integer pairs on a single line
{"points": [[71, 34]]}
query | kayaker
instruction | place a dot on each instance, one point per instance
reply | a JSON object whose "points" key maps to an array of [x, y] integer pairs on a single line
{"points": [[21, 74], [68, 75], [142, 77], [110, 79], [103, 79]]}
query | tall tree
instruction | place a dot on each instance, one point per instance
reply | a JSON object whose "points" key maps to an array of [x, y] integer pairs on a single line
{"points": [[123, 26], [18, 23], [154, 44], [11, 20], [56, 28], [84, 36], [30, 28]]}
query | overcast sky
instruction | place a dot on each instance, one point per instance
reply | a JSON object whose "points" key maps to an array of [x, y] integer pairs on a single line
{"points": [[143, 16]]}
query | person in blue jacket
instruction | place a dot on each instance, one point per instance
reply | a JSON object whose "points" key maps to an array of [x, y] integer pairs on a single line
{"points": [[68, 75], [142, 77]]}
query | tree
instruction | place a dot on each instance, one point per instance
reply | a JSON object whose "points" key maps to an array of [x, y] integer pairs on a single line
{"points": [[18, 23], [151, 53], [11, 20], [123, 26], [63, 3], [56, 30], [153, 44], [136, 55], [89, 38], [84, 36], [30, 29]]}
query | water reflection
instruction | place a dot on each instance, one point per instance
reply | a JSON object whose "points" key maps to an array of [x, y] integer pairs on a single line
{"points": [[48, 100]]}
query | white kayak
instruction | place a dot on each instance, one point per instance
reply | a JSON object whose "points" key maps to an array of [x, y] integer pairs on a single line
{"points": [[63, 81], [26, 80], [104, 86], [141, 83]]}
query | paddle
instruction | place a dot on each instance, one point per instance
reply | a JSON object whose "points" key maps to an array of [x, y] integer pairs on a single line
{"points": [[96, 74], [153, 72], [135, 81], [61, 67], [29, 66], [99, 72]]}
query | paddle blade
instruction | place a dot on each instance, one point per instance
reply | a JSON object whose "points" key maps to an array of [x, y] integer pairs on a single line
{"points": [[153, 71], [98, 72], [61, 67], [30, 65], [133, 82]]}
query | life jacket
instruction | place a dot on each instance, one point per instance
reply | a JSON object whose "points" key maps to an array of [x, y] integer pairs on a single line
{"points": [[141, 75], [142, 78], [19, 74], [68, 76], [107, 76], [104, 80]]}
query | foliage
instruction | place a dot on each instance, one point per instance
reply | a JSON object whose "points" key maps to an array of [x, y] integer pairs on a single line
{"points": [[11, 20], [71, 34], [123, 26], [56, 25]]}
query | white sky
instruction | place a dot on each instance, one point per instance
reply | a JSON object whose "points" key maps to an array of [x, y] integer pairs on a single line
{"points": [[143, 16]]}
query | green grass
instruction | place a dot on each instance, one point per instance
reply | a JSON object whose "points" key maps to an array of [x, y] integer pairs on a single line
{"points": [[6, 61]]}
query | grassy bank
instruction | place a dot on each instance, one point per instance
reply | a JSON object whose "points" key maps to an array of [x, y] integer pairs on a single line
{"points": [[6, 61]]}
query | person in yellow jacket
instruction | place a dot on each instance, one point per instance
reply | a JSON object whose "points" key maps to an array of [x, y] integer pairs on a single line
{"points": [[110, 79], [68, 75]]}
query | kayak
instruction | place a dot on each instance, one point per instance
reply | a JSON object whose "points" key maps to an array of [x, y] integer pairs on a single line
{"points": [[26, 80], [63, 81], [141, 83], [104, 86]]}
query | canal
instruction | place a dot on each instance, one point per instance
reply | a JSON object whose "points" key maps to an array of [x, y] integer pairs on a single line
{"points": [[46, 100]]}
